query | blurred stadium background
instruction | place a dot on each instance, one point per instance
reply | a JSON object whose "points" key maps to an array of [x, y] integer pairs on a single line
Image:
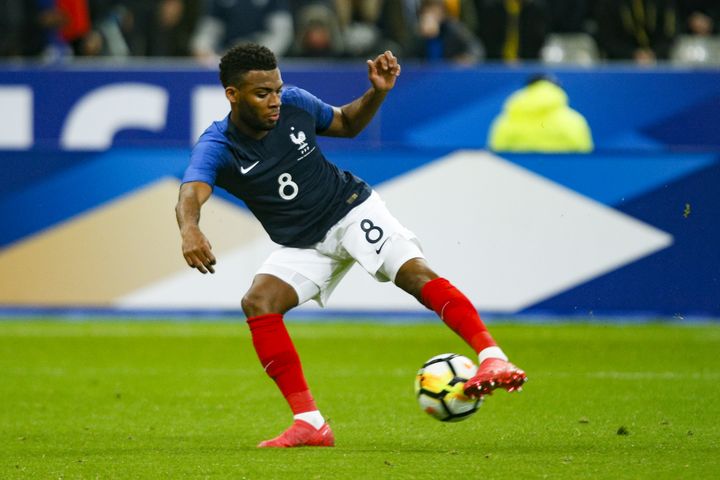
{"points": [[100, 103]]}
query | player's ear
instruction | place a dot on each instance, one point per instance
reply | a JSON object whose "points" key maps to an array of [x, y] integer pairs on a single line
{"points": [[232, 94]]}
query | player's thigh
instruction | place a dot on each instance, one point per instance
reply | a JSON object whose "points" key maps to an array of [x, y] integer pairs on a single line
{"points": [[268, 294], [310, 273]]}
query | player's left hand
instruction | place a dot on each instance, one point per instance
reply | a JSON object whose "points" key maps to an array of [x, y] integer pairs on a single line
{"points": [[383, 71]]}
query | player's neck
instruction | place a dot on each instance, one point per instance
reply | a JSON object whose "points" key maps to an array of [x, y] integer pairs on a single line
{"points": [[245, 129]]}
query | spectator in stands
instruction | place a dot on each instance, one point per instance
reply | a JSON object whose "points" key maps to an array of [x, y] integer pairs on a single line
{"points": [[162, 28], [465, 11], [512, 30], [639, 30], [317, 32], [45, 20], [363, 11], [441, 37], [106, 37], [398, 23], [51, 28], [76, 24], [537, 118], [359, 26], [226, 22], [699, 17]]}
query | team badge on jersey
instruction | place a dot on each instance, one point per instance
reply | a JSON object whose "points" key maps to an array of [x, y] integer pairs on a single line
{"points": [[299, 139]]}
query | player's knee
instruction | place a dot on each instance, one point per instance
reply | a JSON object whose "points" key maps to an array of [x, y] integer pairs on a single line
{"points": [[254, 304], [413, 275]]}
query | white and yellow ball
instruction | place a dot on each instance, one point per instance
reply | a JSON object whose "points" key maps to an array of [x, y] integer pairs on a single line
{"points": [[439, 387]]}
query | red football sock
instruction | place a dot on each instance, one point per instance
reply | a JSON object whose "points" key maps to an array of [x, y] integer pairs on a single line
{"points": [[457, 312], [280, 360]]}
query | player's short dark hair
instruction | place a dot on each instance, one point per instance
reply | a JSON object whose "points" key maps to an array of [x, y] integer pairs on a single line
{"points": [[242, 58]]}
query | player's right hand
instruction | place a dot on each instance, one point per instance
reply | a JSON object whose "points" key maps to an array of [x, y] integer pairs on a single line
{"points": [[383, 71], [197, 251]]}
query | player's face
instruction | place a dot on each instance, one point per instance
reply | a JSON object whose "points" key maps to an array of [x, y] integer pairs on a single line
{"points": [[256, 101]]}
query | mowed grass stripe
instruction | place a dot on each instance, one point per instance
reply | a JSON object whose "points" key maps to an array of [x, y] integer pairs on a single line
{"points": [[189, 400]]}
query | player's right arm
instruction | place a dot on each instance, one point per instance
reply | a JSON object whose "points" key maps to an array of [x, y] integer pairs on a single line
{"points": [[195, 246]]}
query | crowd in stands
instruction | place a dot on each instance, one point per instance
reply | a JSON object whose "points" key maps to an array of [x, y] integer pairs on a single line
{"points": [[464, 31]]}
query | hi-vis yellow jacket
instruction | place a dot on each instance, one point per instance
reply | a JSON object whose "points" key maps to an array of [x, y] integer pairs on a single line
{"points": [[537, 118]]}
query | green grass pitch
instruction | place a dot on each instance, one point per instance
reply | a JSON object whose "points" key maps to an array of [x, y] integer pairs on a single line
{"points": [[109, 399]]}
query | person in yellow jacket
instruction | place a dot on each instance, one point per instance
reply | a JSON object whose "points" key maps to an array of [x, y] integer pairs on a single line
{"points": [[537, 118]]}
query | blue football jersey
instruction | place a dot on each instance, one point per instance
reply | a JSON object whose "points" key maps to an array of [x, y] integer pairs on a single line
{"points": [[283, 178]]}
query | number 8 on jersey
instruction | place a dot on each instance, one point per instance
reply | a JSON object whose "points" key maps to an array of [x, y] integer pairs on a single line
{"points": [[285, 181]]}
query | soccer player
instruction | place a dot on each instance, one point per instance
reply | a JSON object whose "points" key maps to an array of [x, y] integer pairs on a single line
{"points": [[265, 152]]}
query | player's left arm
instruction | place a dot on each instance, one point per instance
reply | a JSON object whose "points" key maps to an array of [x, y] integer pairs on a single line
{"points": [[351, 119]]}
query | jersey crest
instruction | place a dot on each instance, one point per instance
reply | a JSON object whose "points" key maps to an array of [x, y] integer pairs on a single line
{"points": [[300, 139]]}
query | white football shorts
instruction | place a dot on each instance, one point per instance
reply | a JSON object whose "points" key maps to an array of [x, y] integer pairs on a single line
{"points": [[368, 235]]}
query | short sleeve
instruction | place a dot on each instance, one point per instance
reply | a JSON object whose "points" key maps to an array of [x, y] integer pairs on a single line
{"points": [[321, 111], [206, 160]]}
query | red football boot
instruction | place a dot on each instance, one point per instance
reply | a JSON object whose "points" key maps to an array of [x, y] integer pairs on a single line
{"points": [[495, 373], [302, 434]]}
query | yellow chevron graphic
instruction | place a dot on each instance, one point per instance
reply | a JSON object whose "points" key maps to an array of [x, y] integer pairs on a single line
{"points": [[114, 249]]}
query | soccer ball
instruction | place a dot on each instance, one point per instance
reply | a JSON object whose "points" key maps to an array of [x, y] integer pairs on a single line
{"points": [[439, 387]]}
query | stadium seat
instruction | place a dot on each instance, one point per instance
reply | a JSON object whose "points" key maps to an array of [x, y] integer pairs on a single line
{"points": [[694, 50], [575, 48]]}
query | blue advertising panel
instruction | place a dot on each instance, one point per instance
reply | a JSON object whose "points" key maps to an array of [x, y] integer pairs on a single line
{"points": [[98, 154], [431, 107]]}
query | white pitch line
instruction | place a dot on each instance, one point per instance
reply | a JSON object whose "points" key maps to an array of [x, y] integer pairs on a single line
{"points": [[635, 375]]}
